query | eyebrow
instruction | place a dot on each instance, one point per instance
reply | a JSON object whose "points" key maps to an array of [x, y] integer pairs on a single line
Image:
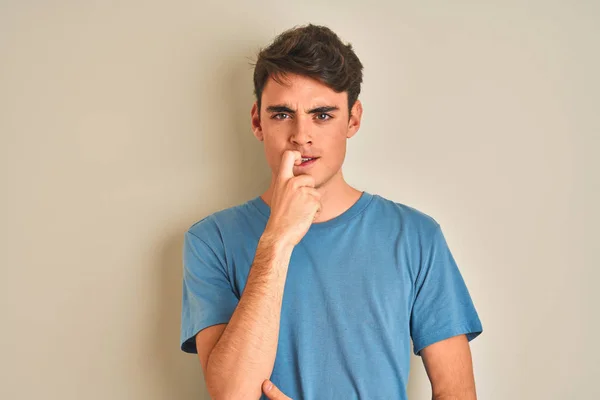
{"points": [[287, 109]]}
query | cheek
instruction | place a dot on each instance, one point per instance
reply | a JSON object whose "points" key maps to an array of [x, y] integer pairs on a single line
{"points": [[273, 152], [334, 152], [336, 145]]}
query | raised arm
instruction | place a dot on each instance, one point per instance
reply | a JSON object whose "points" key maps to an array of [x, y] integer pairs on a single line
{"points": [[244, 355]]}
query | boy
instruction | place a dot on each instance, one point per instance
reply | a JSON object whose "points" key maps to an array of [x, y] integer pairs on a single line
{"points": [[314, 289]]}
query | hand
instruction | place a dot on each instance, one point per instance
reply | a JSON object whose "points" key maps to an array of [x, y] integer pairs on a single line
{"points": [[273, 393], [295, 201]]}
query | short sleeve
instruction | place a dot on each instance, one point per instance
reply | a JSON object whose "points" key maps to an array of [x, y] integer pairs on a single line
{"points": [[442, 306], [208, 298]]}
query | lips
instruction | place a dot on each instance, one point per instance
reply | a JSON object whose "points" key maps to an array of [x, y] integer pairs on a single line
{"points": [[306, 163], [306, 157]]}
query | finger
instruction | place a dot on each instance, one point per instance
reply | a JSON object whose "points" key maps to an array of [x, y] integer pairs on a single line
{"points": [[288, 160], [319, 208], [273, 393], [312, 191], [304, 180], [317, 214], [316, 198]]}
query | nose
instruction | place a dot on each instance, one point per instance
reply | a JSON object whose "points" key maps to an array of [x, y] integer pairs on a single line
{"points": [[301, 132]]}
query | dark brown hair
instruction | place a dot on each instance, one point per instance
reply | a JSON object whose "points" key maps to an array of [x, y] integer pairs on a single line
{"points": [[314, 51]]}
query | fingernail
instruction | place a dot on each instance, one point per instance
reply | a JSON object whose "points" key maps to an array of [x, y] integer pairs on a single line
{"points": [[269, 386]]}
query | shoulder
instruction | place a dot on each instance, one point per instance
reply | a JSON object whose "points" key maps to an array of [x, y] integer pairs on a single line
{"points": [[215, 226], [409, 219]]}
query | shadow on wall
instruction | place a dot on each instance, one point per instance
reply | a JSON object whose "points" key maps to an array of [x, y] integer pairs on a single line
{"points": [[240, 173]]}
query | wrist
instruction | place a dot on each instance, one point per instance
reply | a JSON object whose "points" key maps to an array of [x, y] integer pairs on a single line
{"points": [[276, 241]]}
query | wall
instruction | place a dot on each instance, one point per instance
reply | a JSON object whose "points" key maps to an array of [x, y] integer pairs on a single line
{"points": [[122, 124]]}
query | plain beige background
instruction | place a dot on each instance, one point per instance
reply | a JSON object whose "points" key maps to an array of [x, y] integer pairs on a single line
{"points": [[122, 124]]}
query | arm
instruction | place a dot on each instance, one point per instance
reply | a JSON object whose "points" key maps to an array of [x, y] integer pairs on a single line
{"points": [[244, 356], [450, 370]]}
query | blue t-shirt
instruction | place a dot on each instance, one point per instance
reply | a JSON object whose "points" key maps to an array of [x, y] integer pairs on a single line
{"points": [[359, 287]]}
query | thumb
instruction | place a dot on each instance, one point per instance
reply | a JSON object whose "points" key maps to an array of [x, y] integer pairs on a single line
{"points": [[272, 392]]}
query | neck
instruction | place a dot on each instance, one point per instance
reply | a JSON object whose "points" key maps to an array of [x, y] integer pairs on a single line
{"points": [[337, 196]]}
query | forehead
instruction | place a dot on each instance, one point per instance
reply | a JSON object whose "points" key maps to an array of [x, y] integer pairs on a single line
{"points": [[298, 89]]}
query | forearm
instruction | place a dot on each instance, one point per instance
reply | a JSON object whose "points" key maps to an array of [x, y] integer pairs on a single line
{"points": [[245, 354]]}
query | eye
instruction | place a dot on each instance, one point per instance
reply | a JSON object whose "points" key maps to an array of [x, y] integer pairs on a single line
{"points": [[276, 116], [324, 116]]}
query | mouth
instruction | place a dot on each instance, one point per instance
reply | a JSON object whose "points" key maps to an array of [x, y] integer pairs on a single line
{"points": [[308, 161]]}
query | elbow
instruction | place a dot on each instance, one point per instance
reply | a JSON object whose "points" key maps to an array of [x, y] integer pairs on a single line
{"points": [[231, 388], [230, 395]]}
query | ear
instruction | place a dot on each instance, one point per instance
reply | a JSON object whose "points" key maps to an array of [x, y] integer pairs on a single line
{"points": [[355, 117], [256, 125]]}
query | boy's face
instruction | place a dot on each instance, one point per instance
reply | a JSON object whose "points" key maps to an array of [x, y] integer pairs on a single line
{"points": [[305, 115]]}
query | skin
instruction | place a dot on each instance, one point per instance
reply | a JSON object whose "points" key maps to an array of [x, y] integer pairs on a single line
{"points": [[448, 362], [322, 134], [244, 350]]}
